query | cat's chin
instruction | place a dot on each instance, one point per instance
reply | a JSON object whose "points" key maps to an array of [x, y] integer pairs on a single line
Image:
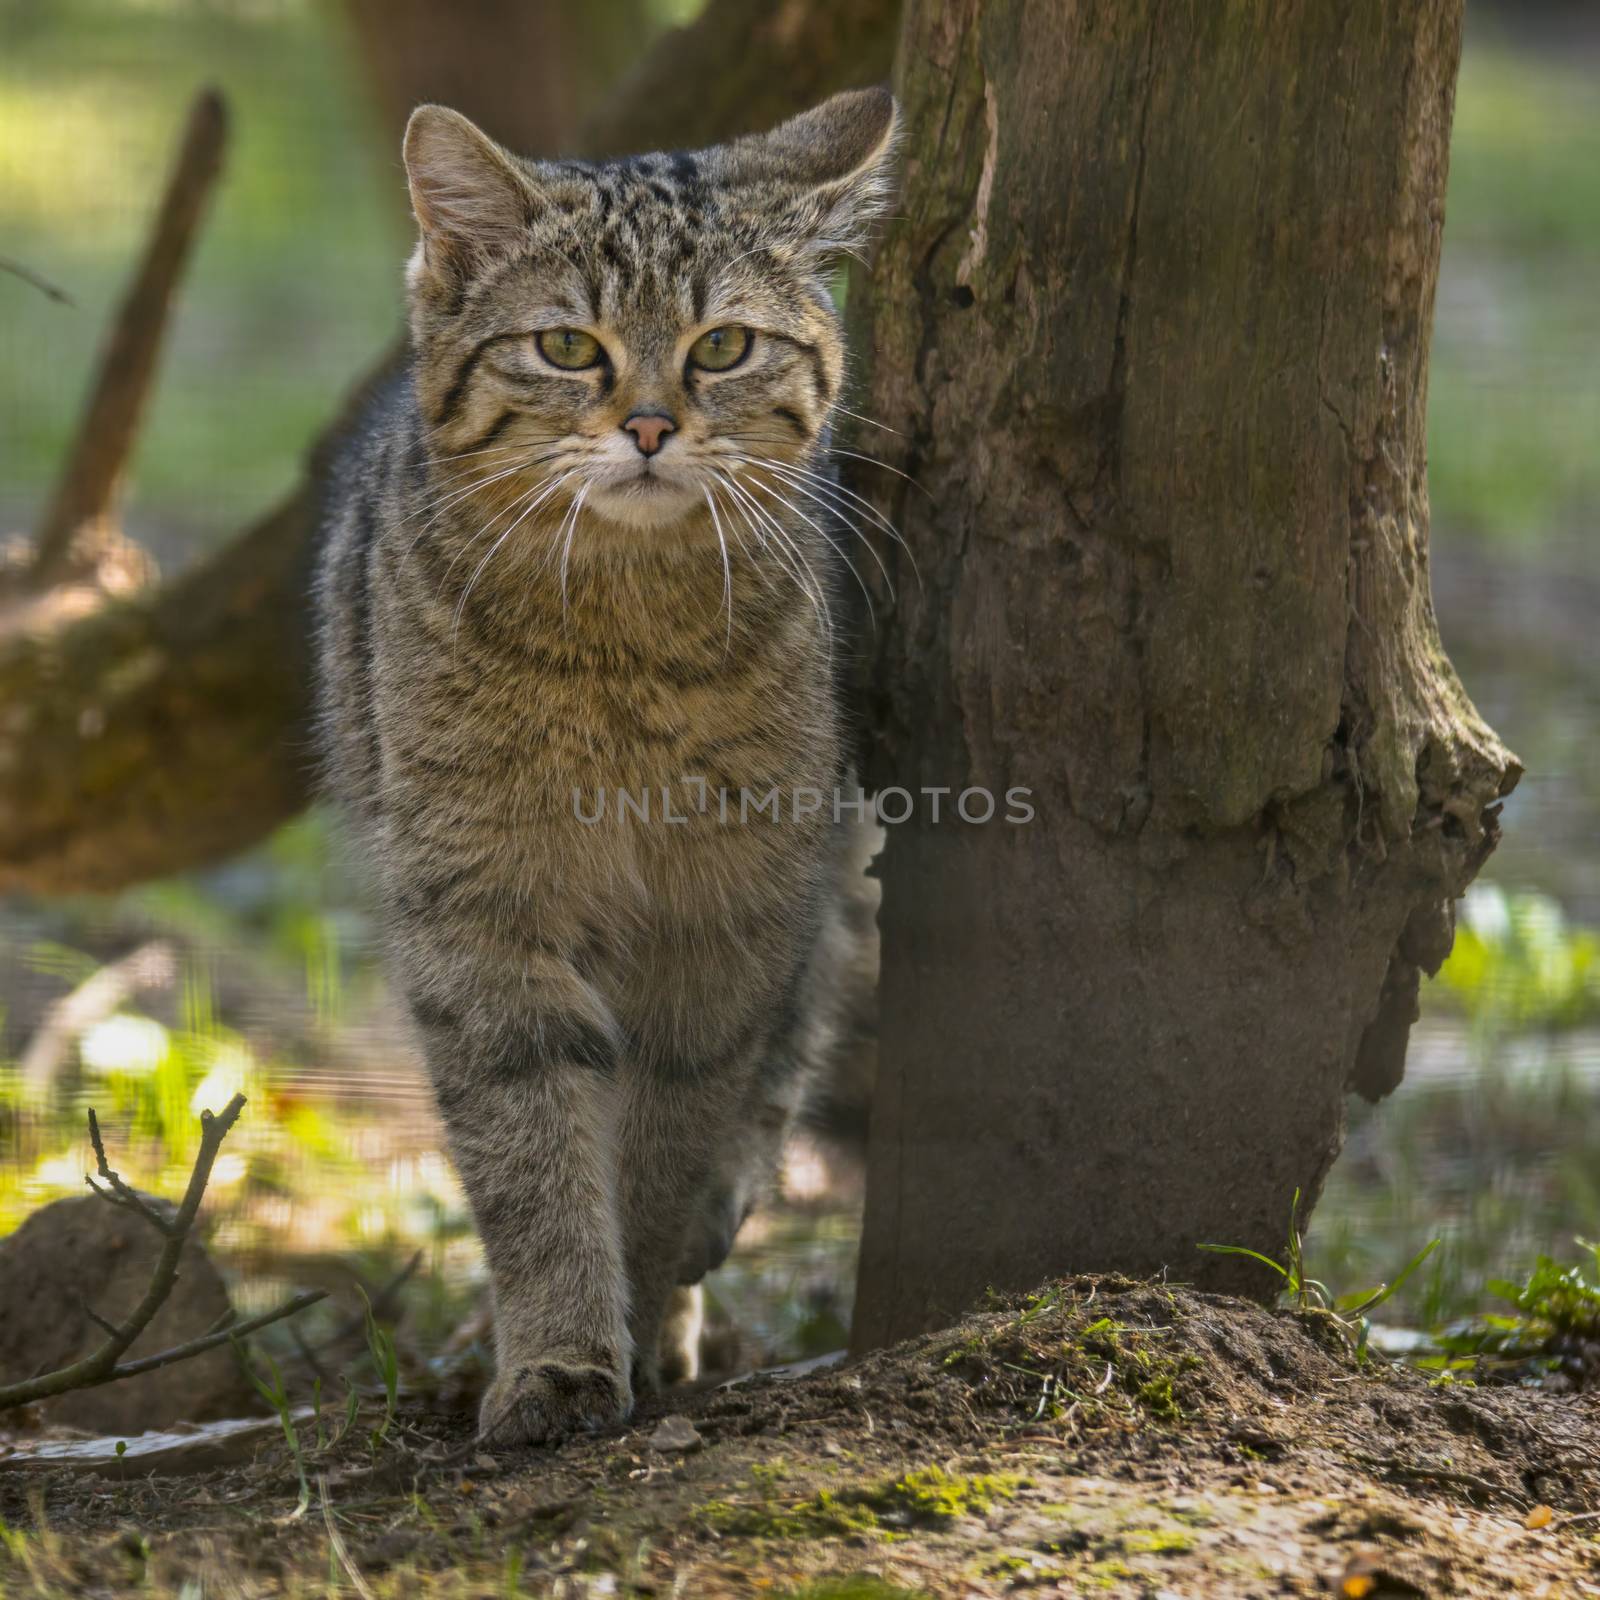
{"points": [[646, 505]]}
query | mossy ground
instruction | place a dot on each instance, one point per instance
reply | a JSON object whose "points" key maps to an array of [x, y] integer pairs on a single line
{"points": [[1104, 1437]]}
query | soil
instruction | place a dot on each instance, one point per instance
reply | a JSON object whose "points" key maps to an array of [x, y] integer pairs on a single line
{"points": [[1105, 1437]]}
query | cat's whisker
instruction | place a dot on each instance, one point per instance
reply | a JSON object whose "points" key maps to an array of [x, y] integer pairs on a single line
{"points": [[441, 504], [435, 459], [871, 422], [856, 455], [822, 533], [791, 557], [813, 490], [833, 488], [758, 567], [571, 525], [815, 486], [536, 497], [727, 571]]}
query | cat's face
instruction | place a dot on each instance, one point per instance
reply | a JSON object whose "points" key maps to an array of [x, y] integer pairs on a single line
{"points": [[650, 340]]}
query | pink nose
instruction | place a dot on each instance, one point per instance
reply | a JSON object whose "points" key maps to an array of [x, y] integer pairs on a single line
{"points": [[649, 428]]}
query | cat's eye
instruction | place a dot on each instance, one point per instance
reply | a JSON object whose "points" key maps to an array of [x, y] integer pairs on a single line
{"points": [[720, 349], [569, 348]]}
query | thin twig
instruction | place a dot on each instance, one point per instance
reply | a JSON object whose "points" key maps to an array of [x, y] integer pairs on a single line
{"points": [[104, 1365], [117, 1193], [380, 1304], [102, 1323], [210, 1341], [336, 1539], [86, 492], [43, 285]]}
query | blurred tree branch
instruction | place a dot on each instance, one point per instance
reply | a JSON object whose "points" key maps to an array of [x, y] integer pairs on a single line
{"points": [[170, 727], [79, 527]]}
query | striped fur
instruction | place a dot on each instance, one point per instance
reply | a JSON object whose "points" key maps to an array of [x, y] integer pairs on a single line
{"points": [[517, 603]]}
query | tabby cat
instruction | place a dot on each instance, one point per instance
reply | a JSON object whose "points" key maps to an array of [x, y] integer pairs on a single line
{"points": [[584, 548]]}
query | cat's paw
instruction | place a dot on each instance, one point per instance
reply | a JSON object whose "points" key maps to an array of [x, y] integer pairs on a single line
{"points": [[711, 1235], [646, 1373], [544, 1402]]}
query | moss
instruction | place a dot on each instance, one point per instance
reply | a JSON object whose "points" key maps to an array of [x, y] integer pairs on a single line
{"points": [[932, 1495], [1158, 1541], [928, 1497], [1156, 1396], [1108, 1574], [821, 1516], [853, 1586], [1008, 1564]]}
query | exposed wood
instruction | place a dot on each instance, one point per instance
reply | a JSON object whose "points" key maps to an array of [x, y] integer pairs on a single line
{"points": [[82, 511], [1153, 328]]}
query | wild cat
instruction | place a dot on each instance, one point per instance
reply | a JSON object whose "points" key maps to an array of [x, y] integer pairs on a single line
{"points": [[584, 546]]}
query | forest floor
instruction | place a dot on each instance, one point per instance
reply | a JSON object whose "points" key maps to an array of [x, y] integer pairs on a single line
{"points": [[1105, 1437]]}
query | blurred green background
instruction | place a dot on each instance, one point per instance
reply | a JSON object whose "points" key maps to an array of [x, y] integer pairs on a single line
{"points": [[1493, 1141]]}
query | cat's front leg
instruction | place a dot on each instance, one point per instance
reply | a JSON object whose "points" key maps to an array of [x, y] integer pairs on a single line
{"points": [[674, 1119], [530, 1100]]}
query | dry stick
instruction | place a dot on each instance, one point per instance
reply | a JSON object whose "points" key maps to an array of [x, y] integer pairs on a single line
{"points": [[87, 490], [102, 1365], [43, 285]]}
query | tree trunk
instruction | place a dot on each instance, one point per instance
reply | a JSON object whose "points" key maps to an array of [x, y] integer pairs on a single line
{"points": [[1153, 327], [169, 729]]}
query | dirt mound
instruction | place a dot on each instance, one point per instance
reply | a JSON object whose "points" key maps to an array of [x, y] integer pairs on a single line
{"points": [[77, 1255], [1103, 1436]]}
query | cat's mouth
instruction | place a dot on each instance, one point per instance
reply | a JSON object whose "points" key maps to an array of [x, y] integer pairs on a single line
{"points": [[643, 497]]}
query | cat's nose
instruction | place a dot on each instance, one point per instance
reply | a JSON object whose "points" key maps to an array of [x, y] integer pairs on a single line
{"points": [[649, 428]]}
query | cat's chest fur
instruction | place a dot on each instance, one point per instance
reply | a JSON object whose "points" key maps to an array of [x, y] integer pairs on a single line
{"points": [[614, 741]]}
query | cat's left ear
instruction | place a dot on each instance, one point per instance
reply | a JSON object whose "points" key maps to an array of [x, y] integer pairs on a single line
{"points": [[843, 154]]}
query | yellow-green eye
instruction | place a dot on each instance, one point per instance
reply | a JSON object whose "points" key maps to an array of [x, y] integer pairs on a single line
{"points": [[570, 348], [720, 349]]}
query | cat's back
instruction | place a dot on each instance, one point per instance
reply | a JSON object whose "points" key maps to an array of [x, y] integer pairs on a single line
{"points": [[362, 495]]}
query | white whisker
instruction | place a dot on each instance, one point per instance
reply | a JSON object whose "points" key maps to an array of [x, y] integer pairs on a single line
{"points": [[822, 533], [571, 525], [541, 495], [727, 571]]}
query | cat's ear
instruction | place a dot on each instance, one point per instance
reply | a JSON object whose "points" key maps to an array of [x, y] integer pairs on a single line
{"points": [[843, 155], [471, 201]]}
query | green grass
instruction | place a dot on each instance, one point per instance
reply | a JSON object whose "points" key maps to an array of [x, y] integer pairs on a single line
{"points": [[1514, 396], [1348, 1312], [1555, 1308]]}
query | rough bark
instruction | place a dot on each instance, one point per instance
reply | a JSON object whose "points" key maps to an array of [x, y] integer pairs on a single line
{"points": [[170, 729], [1153, 326]]}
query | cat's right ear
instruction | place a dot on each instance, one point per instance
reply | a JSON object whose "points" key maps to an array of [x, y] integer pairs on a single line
{"points": [[470, 200]]}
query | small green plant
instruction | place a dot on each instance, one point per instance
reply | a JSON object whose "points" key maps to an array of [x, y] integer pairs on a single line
{"points": [[273, 1390], [1309, 1296], [385, 1355], [1554, 1304]]}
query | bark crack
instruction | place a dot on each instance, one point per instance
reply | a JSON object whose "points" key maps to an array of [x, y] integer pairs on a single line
{"points": [[978, 246]]}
